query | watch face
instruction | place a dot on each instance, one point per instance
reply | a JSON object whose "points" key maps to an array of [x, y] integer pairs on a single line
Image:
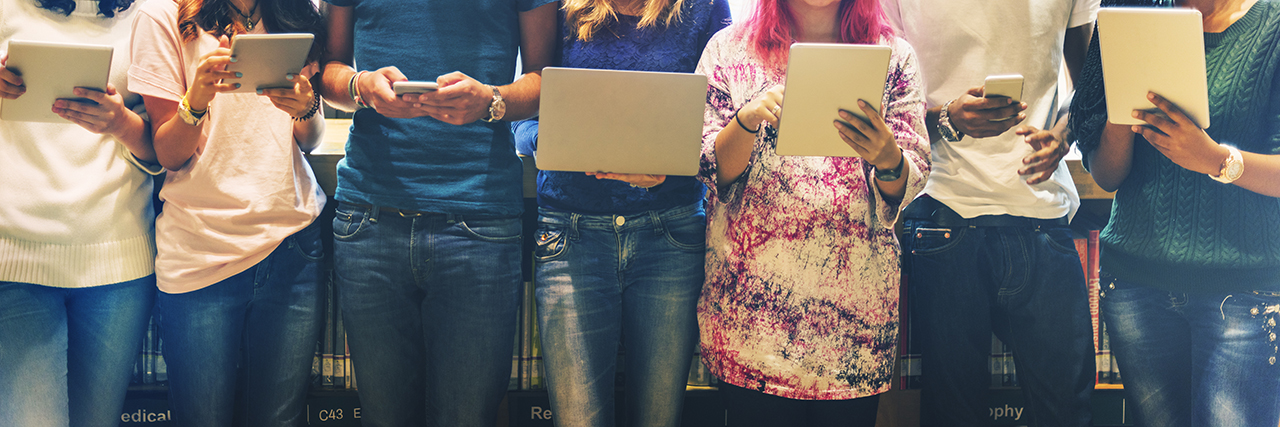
{"points": [[497, 109], [1234, 170]]}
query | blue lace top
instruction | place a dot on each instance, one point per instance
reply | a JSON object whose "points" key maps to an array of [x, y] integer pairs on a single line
{"points": [[622, 46]]}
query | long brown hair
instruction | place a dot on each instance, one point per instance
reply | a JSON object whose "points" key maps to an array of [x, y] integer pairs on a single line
{"points": [[586, 17], [218, 17]]}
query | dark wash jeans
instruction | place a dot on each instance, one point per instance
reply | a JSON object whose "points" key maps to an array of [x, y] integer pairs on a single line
{"points": [[429, 303], [1023, 282], [1195, 359]]}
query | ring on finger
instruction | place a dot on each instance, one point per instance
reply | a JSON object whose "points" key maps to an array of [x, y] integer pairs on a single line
{"points": [[776, 109]]}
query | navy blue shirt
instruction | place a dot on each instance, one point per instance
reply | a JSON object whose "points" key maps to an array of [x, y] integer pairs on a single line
{"points": [[424, 164], [622, 46]]}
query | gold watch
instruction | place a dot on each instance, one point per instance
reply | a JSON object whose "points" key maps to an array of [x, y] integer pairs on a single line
{"points": [[497, 108]]}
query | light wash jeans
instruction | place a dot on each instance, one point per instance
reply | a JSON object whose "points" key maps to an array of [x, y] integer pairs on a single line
{"points": [[429, 303], [1195, 359], [239, 351], [66, 355], [605, 278]]}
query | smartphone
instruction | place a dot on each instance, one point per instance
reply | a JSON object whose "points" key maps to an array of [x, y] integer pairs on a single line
{"points": [[1007, 86], [410, 87]]}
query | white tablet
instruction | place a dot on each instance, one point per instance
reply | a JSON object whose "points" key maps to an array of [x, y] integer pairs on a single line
{"points": [[1159, 50], [822, 79], [51, 71], [621, 121], [265, 59]]}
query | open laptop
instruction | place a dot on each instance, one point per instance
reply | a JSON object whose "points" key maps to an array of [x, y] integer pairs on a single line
{"points": [[52, 71], [620, 121], [1153, 49]]}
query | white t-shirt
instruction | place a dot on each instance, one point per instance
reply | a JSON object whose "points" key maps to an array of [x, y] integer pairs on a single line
{"points": [[248, 186], [960, 43], [75, 207]]}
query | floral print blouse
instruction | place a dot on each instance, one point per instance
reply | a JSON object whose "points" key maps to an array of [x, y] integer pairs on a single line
{"points": [[801, 294]]}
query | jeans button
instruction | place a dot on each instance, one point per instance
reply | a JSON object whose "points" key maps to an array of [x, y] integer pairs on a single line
{"points": [[619, 220]]}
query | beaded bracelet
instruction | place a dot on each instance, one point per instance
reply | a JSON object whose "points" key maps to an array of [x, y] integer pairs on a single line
{"points": [[315, 106]]}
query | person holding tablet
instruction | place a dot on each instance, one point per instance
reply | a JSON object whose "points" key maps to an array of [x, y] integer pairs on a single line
{"points": [[427, 251], [1191, 254], [238, 264], [988, 247], [76, 243], [620, 257], [799, 314]]}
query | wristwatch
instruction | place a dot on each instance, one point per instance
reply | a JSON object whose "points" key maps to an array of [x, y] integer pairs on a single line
{"points": [[947, 131], [890, 175], [1232, 167], [190, 116], [497, 108]]}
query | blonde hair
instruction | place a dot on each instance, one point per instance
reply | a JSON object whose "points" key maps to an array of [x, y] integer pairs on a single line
{"points": [[586, 17]]}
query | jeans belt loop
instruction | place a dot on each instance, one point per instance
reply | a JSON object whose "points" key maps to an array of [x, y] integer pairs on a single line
{"points": [[573, 225], [657, 221]]}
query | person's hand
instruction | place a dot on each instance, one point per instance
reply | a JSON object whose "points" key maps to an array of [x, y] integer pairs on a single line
{"points": [[11, 84], [765, 108], [636, 180], [1179, 139], [375, 91], [1049, 151], [296, 100], [981, 117], [872, 139], [212, 77], [460, 99], [106, 117]]}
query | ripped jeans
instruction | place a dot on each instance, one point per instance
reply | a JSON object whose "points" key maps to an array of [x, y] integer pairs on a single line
{"points": [[1195, 359]]}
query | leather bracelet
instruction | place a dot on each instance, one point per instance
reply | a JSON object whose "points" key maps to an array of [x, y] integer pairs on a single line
{"points": [[744, 127], [315, 106]]}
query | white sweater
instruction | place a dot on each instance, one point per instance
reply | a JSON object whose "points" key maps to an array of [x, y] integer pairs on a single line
{"points": [[75, 207]]}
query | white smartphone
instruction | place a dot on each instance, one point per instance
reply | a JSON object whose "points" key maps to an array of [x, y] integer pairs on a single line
{"points": [[411, 87], [1007, 86]]}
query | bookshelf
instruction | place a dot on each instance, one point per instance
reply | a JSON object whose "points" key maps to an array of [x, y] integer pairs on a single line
{"points": [[899, 407]]}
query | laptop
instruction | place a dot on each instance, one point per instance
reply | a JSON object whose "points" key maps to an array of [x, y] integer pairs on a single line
{"points": [[52, 71], [823, 78], [635, 122], [1153, 49]]}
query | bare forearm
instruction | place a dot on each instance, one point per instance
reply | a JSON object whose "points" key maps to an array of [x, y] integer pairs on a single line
{"points": [[1110, 162], [733, 152], [334, 85], [135, 135], [522, 96], [308, 133], [175, 143]]}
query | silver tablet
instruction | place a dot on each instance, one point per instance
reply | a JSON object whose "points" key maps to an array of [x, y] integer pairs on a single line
{"points": [[1159, 50], [52, 71], [621, 121], [265, 59], [822, 79]]}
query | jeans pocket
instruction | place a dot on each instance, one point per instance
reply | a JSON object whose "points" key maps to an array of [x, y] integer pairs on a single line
{"points": [[348, 220], [1060, 239], [307, 243], [498, 230], [690, 236], [551, 243], [926, 241]]}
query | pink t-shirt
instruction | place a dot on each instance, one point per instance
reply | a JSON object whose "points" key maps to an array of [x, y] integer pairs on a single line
{"points": [[248, 186]]}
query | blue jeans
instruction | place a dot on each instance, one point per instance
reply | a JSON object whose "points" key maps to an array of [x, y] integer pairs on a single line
{"points": [[606, 278], [429, 303], [66, 355], [1195, 359], [239, 351], [1026, 284]]}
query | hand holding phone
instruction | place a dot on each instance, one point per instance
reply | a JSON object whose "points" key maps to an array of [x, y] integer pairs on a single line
{"points": [[1007, 86], [413, 88]]}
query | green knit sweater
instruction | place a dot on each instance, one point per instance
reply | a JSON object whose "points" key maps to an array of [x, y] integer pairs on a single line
{"points": [[1179, 230]]}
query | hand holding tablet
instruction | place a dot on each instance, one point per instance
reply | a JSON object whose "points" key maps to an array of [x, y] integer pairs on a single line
{"points": [[41, 69]]}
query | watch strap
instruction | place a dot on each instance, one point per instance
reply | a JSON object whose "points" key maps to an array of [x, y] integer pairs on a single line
{"points": [[1232, 167], [945, 128], [890, 175]]}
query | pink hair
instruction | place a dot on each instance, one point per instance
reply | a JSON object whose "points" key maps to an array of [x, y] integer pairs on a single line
{"points": [[771, 25]]}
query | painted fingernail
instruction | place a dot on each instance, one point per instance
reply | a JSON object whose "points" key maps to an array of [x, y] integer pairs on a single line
{"points": [[239, 74], [233, 59], [288, 76], [259, 91], [237, 85]]}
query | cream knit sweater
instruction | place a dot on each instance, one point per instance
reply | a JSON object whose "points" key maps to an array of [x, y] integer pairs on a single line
{"points": [[75, 207]]}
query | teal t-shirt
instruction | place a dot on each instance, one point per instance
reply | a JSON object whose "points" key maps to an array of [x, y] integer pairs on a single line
{"points": [[423, 164]]}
